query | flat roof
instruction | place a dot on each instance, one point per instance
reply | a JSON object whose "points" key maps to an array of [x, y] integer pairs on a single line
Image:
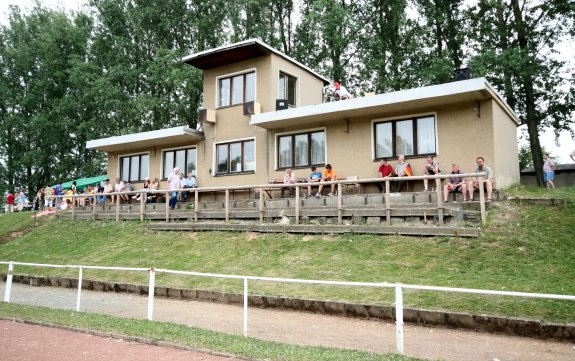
{"points": [[243, 50], [417, 98], [160, 137]]}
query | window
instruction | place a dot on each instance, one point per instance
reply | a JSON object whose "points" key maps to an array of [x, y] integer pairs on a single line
{"points": [[237, 89], [301, 150], [237, 157], [185, 159], [288, 88], [134, 167], [409, 137]]}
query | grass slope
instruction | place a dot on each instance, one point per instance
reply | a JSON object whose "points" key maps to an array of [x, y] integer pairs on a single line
{"points": [[523, 248]]}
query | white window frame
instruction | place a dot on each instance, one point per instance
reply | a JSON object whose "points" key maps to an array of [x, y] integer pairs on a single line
{"points": [[399, 118], [231, 75], [162, 160], [229, 141], [120, 156], [301, 131], [297, 95]]}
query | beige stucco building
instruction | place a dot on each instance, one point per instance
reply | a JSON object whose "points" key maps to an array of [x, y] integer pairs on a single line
{"points": [[263, 112]]}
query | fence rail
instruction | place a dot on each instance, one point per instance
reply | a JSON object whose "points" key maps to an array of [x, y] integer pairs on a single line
{"points": [[262, 188], [399, 287]]}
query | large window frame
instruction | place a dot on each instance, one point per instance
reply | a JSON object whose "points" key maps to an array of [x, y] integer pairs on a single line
{"points": [[288, 88], [290, 138], [170, 160], [247, 157], [418, 124], [137, 165], [227, 85]]}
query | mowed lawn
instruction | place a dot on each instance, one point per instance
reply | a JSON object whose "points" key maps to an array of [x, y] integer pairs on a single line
{"points": [[522, 248]]}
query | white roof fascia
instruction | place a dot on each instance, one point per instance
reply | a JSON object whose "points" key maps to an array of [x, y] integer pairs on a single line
{"points": [[433, 91], [258, 41], [144, 136]]}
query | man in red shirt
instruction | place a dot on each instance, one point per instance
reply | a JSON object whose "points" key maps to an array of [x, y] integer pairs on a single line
{"points": [[10, 202], [385, 170]]}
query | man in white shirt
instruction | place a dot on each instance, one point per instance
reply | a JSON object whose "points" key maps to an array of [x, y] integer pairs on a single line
{"points": [[341, 92], [174, 184]]}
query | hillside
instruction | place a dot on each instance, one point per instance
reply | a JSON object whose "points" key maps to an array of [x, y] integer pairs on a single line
{"points": [[523, 248]]}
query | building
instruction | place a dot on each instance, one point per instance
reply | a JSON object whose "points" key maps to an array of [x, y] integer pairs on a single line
{"points": [[263, 112]]}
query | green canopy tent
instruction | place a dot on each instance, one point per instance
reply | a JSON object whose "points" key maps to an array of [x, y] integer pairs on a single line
{"points": [[83, 182]]}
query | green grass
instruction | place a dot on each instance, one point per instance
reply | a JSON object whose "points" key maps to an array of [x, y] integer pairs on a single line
{"points": [[15, 222], [522, 248], [191, 337]]}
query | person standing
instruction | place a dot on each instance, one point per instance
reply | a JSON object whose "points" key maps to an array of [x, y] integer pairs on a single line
{"points": [[10, 202], [173, 185], [474, 184], [21, 200], [548, 171], [385, 171], [48, 201]]}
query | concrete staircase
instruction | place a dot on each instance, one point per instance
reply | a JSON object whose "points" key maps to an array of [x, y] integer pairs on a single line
{"points": [[411, 213]]}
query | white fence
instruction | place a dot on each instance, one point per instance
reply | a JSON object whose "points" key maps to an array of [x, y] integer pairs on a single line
{"points": [[397, 286]]}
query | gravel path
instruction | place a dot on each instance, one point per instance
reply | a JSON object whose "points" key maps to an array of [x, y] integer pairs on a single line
{"points": [[304, 328]]}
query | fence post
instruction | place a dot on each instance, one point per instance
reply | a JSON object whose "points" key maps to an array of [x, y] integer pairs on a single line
{"points": [[482, 201], [261, 205], [297, 203], [196, 205], [79, 290], [117, 207], [167, 207], [94, 204], [8, 282], [398, 318], [439, 192], [74, 206], [387, 202], [339, 204], [245, 306], [143, 197], [227, 205], [151, 289]]}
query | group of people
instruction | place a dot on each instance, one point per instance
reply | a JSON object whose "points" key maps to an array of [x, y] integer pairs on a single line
{"points": [[177, 180], [327, 175], [16, 203]]}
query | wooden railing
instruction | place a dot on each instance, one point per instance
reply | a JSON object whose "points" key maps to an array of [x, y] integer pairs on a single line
{"points": [[261, 188]]}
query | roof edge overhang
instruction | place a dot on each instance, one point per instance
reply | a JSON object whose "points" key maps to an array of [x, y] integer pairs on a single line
{"points": [[201, 60], [435, 95], [142, 140]]}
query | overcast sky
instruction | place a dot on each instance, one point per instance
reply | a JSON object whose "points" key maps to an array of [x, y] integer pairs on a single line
{"points": [[567, 53]]}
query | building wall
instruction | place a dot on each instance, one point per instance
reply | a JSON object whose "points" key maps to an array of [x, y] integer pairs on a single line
{"points": [[506, 163]]}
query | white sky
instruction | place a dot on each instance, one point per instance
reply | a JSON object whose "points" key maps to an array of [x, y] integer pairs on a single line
{"points": [[567, 53]]}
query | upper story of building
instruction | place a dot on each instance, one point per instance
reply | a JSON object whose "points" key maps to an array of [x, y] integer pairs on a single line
{"points": [[250, 77]]}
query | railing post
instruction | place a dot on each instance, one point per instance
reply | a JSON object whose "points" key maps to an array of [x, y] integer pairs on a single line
{"points": [[117, 207], [398, 319], [297, 202], [151, 289], [227, 205], [9, 282], [167, 206], [339, 204], [196, 205], [261, 205], [94, 204], [245, 306], [73, 206], [387, 202], [439, 193], [482, 201], [79, 290], [142, 205]]}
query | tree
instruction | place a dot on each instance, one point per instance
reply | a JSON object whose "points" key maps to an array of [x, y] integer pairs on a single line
{"points": [[514, 45]]}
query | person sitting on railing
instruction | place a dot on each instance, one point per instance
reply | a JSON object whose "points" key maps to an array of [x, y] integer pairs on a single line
{"points": [[385, 171], [314, 177], [189, 182], [402, 169], [430, 167], [454, 184], [154, 186], [129, 188], [289, 178], [146, 187], [327, 175], [474, 184], [118, 187]]}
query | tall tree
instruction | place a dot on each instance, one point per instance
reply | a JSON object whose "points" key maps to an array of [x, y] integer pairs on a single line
{"points": [[514, 42]]}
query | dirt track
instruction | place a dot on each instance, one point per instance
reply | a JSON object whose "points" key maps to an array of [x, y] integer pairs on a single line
{"points": [[304, 328]]}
